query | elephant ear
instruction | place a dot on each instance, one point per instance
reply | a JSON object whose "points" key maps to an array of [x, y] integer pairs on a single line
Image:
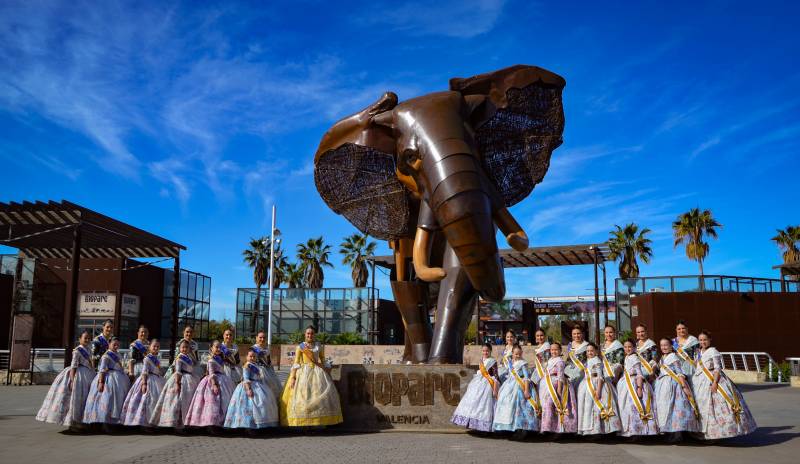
{"points": [[518, 123], [355, 173]]}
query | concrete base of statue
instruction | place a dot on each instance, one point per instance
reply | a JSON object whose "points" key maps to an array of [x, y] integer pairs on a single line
{"points": [[397, 397]]}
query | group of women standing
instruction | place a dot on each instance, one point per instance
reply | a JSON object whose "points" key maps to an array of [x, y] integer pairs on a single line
{"points": [[100, 387], [632, 389]]}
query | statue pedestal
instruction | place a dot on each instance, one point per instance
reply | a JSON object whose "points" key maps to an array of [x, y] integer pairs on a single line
{"points": [[397, 397]]}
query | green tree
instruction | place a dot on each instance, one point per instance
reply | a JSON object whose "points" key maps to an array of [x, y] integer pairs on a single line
{"points": [[787, 240], [293, 275], [217, 328], [257, 257], [691, 228], [357, 250], [279, 268], [313, 256], [626, 244]]}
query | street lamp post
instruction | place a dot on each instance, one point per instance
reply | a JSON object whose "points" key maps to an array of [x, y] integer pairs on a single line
{"points": [[273, 233]]}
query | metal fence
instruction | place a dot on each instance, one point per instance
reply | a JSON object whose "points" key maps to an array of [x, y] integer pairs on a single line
{"points": [[52, 359], [795, 365], [751, 361]]}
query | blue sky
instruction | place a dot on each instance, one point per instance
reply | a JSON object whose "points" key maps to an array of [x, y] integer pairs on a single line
{"points": [[191, 119]]}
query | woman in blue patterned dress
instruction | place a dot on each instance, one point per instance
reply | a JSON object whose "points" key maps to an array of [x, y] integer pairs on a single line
{"points": [[676, 411], [476, 408], [143, 395], [67, 395], [685, 346], [109, 388], [138, 350], [505, 357], [176, 396], [264, 363], [517, 408], [253, 406]]}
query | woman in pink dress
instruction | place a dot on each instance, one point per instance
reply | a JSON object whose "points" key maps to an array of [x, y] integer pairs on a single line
{"points": [[557, 396], [210, 401], [143, 395]]}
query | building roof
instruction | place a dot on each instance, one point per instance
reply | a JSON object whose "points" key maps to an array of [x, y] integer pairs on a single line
{"points": [[45, 230], [792, 268], [567, 255]]}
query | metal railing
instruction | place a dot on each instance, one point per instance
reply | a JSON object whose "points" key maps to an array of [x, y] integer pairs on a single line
{"points": [[750, 361], [795, 365], [52, 359]]}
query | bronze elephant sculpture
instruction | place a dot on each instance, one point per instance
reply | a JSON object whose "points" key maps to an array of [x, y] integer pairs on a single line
{"points": [[435, 175]]}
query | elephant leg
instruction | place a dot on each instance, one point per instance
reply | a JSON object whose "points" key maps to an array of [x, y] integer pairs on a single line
{"points": [[454, 308], [412, 302]]}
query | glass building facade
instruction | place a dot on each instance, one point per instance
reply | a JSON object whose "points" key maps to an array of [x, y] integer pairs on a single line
{"points": [[330, 310], [194, 303]]}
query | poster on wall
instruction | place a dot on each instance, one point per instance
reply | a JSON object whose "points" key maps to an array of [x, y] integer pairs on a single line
{"points": [[130, 306], [97, 305], [22, 338]]}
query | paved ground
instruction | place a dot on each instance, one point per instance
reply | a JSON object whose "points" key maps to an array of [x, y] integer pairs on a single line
{"points": [[22, 439]]}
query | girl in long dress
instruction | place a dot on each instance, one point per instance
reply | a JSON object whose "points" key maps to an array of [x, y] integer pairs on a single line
{"points": [[647, 351], [213, 394], [676, 410], [476, 408], [253, 406], [597, 405], [505, 356], [310, 397], [176, 396], [100, 343], [517, 408], [541, 353], [146, 390], [137, 352], [685, 347], [635, 397], [230, 357], [66, 398], [108, 390], [264, 363], [723, 412], [576, 356], [612, 355], [188, 337], [557, 396]]}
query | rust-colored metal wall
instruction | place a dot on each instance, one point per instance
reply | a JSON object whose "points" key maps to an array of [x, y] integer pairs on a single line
{"points": [[738, 321]]}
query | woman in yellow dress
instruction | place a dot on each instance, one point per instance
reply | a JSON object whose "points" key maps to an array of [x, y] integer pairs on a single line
{"points": [[310, 397]]}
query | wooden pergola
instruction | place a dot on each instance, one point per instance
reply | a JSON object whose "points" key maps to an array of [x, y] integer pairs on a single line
{"points": [[788, 270], [64, 230], [595, 254]]}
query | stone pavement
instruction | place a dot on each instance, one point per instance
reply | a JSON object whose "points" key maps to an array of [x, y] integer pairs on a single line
{"points": [[23, 440]]}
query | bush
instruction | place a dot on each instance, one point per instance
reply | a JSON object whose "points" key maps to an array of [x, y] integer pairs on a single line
{"points": [[471, 335], [785, 370], [348, 338], [626, 335]]}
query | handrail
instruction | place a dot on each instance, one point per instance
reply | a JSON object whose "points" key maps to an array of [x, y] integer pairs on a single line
{"points": [[738, 360], [794, 363]]}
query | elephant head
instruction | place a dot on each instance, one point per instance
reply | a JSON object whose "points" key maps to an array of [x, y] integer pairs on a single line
{"points": [[451, 161]]}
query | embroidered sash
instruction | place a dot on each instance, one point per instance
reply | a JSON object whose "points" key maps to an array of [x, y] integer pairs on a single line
{"points": [[576, 361], [154, 359], [606, 365], [645, 412], [684, 356], [187, 359], [83, 352], [486, 375], [605, 413], [677, 379], [539, 368], [559, 403], [309, 353], [645, 364], [532, 400], [731, 399]]}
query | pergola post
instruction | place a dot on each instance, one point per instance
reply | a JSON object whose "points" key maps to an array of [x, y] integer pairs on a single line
{"points": [[176, 285], [72, 302], [373, 311], [596, 299], [605, 294]]}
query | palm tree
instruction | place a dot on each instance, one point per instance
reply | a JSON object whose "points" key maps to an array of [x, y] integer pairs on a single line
{"points": [[626, 244], [356, 251], [313, 255], [257, 257], [293, 275], [787, 240], [690, 228], [279, 268]]}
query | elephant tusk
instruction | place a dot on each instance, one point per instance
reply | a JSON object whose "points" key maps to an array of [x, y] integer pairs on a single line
{"points": [[422, 245], [515, 236]]}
